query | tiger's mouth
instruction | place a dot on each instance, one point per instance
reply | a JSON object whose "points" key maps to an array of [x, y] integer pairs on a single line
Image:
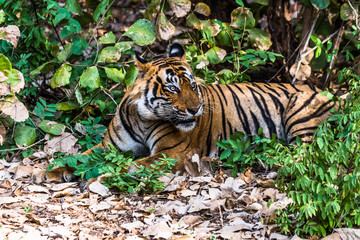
{"points": [[184, 124], [186, 121]]}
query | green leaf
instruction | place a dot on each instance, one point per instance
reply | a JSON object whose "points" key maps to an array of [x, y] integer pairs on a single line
{"points": [[61, 14], [4, 63], [75, 24], [259, 39], [24, 136], [347, 13], [142, 32], [73, 6], [61, 76], [320, 4], [215, 55], [124, 46], [240, 2], [193, 22], [44, 68], [115, 74], [108, 38], [90, 78], [2, 16], [262, 2], [333, 172], [100, 9], [242, 18], [67, 106], [64, 54], [320, 142], [78, 96], [109, 55], [131, 75], [52, 127], [152, 9], [79, 46], [203, 9]]}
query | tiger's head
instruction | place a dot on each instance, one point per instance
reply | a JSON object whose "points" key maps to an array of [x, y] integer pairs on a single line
{"points": [[166, 89]]}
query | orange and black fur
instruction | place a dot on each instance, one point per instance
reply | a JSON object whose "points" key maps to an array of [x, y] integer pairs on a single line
{"points": [[168, 112]]}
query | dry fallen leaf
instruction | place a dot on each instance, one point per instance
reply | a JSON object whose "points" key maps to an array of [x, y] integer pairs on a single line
{"points": [[37, 188], [62, 143], [303, 72], [23, 171], [10, 34], [2, 132], [14, 109], [196, 166], [159, 230], [100, 206], [180, 8], [130, 226], [99, 188]]}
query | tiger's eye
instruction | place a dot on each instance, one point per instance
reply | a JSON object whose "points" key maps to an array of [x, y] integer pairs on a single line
{"points": [[193, 85], [172, 88]]}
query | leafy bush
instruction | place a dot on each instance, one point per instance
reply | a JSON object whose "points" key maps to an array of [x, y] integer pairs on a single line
{"points": [[321, 178], [115, 166]]}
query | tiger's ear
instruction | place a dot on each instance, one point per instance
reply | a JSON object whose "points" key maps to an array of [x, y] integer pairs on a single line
{"points": [[176, 50], [140, 62]]}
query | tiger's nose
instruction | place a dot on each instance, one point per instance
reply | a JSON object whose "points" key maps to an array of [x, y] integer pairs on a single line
{"points": [[193, 110]]}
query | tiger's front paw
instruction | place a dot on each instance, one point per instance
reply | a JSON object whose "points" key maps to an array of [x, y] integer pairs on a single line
{"points": [[61, 174]]}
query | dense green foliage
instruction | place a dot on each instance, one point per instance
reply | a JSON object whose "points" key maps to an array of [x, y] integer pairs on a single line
{"points": [[62, 72], [114, 165], [321, 178]]}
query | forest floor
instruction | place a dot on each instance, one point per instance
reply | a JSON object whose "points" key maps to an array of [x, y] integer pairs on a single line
{"points": [[206, 207], [214, 206]]}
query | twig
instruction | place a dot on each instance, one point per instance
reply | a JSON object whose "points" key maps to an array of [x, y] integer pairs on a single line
{"points": [[284, 65], [98, 23], [356, 16], [336, 46], [23, 148], [299, 60], [57, 34], [86, 105], [323, 41], [221, 216], [109, 96]]}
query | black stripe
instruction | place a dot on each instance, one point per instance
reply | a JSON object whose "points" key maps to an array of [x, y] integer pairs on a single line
{"points": [[309, 117], [272, 90], [159, 138], [305, 129], [164, 65], [301, 136], [222, 113], [255, 121], [117, 135], [174, 146], [222, 93], [264, 111], [127, 127], [231, 128], [240, 111], [209, 134], [306, 103]]}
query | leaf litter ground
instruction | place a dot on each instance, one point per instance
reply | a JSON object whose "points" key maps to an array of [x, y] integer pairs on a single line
{"points": [[213, 206]]}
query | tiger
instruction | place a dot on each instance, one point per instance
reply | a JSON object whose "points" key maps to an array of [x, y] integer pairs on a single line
{"points": [[168, 111]]}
